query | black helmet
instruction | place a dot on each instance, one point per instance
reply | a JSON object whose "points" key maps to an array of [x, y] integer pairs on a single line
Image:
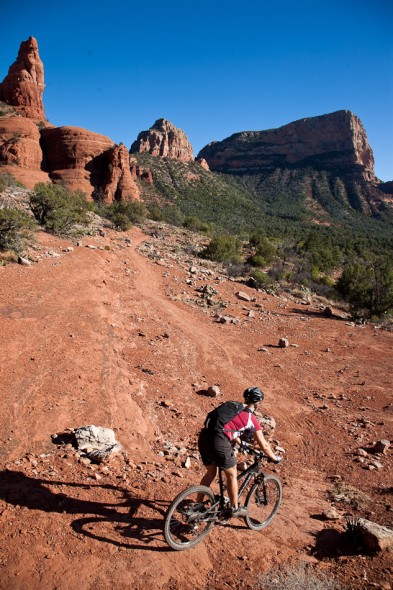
{"points": [[253, 395]]}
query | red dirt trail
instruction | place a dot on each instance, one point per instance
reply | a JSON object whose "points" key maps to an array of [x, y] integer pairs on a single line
{"points": [[117, 336]]}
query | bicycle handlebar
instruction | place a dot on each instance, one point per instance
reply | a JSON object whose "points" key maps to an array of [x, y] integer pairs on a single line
{"points": [[246, 447]]}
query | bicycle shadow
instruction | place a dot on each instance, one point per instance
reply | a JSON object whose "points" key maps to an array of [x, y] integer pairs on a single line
{"points": [[118, 519]]}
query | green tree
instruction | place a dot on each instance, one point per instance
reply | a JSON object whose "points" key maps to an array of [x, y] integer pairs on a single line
{"points": [[58, 209], [368, 287]]}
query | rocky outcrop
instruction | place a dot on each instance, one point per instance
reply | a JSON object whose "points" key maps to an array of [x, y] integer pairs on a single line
{"points": [[335, 142], [202, 162], [23, 87], [163, 139], [81, 159], [70, 156], [20, 150], [119, 183]]}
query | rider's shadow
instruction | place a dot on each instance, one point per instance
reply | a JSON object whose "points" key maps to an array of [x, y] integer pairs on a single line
{"points": [[117, 519]]}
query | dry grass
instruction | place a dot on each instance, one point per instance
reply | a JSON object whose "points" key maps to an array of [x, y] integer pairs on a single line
{"points": [[296, 576], [343, 492]]}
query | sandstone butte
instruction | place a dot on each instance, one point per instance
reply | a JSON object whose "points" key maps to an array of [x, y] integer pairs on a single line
{"points": [[163, 139]]}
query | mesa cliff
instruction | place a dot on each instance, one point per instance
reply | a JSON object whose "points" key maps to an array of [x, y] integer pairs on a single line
{"points": [[335, 142]]}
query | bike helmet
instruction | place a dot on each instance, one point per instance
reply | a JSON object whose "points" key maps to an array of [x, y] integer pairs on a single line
{"points": [[253, 395]]}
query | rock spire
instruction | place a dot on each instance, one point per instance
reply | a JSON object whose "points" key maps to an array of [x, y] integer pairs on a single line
{"points": [[23, 86]]}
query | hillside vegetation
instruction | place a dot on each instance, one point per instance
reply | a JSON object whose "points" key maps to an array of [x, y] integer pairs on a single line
{"points": [[313, 224]]}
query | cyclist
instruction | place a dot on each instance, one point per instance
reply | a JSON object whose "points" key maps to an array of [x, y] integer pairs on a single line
{"points": [[216, 444]]}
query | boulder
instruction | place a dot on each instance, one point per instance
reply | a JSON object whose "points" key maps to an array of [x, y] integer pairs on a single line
{"points": [[23, 86], [374, 536], [96, 437], [163, 139]]}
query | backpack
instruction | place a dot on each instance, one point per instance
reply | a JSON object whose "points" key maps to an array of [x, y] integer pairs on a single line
{"points": [[217, 418]]}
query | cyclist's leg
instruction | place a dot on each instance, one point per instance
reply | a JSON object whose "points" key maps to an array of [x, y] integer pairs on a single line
{"points": [[232, 487], [207, 479]]}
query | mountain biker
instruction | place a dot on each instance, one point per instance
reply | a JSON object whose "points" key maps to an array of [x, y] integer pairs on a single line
{"points": [[216, 446]]}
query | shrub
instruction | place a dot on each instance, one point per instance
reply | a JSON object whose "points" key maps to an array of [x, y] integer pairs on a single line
{"points": [[155, 213], [257, 260], [223, 248], [124, 214], [196, 225], [296, 577], [6, 180], [58, 209], [368, 287], [16, 229], [261, 279]]}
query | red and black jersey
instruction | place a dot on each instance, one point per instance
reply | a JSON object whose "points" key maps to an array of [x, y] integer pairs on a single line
{"points": [[244, 421]]}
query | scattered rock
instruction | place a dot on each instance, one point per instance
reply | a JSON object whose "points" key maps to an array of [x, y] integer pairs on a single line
{"points": [[374, 536], [375, 465], [226, 319], [243, 296], [187, 463], [381, 446], [361, 453], [24, 261], [283, 343], [213, 391], [331, 514]]}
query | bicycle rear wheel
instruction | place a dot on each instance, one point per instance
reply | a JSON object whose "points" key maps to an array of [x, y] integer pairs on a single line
{"points": [[188, 521], [262, 502]]}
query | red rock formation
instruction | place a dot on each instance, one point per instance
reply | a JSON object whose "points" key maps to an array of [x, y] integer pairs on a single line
{"points": [[202, 162], [82, 159], [335, 142], [23, 87], [119, 183], [70, 154], [138, 171], [20, 150], [164, 140]]}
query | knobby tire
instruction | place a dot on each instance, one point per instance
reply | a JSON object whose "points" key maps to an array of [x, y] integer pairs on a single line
{"points": [[182, 530], [262, 502]]}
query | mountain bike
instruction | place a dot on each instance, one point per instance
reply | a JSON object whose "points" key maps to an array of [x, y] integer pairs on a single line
{"points": [[192, 514]]}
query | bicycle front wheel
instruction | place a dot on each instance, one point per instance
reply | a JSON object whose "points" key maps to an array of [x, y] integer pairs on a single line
{"points": [[189, 519], [262, 502]]}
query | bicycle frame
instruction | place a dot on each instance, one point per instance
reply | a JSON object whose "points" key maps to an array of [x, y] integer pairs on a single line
{"points": [[252, 470]]}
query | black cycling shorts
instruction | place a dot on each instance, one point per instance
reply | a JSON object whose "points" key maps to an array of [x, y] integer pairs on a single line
{"points": [[216, 449]]}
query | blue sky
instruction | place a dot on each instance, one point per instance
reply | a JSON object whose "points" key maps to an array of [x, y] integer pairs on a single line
{"points": [[211, 68]]}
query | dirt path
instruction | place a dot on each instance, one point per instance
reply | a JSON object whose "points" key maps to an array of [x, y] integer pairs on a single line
{"points": [[107, 336]]}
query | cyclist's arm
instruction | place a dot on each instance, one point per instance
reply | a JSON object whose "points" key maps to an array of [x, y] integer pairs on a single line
{"points": [[264, 445]]}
